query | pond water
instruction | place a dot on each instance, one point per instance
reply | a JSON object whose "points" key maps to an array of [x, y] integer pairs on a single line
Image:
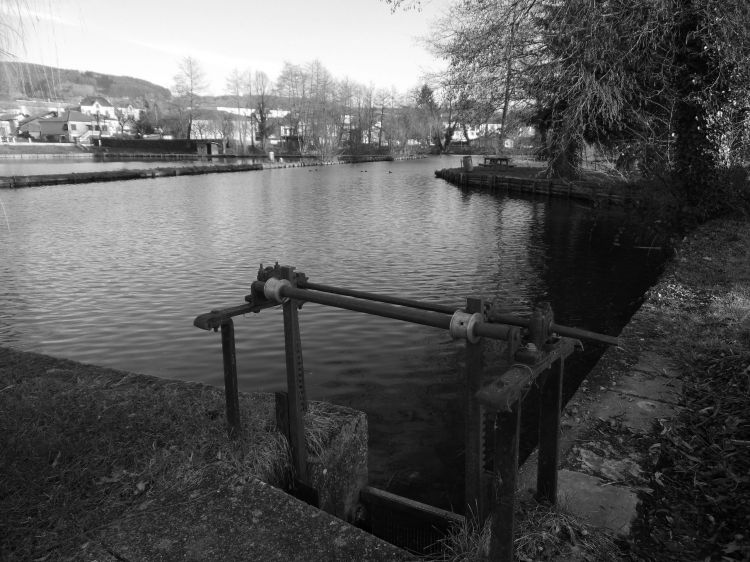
{"points": [[114, 274]]}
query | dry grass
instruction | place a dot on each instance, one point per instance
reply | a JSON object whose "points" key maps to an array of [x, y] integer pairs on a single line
{"points": [[543, 533], [551, 533], [83, 447], [322, 422], [79, 452]]}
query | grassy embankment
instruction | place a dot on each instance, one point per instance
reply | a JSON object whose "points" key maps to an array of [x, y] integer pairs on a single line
{"points": [[84, 446]]}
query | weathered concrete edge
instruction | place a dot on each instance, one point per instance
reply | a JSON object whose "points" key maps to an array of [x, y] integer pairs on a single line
{"points": [[252, 522], [614, 391]]}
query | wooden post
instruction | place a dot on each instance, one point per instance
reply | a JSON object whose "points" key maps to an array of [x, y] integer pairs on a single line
{"points": [[295, 381], [231, 392], [503, 525], [550, 404], [475, 499]]}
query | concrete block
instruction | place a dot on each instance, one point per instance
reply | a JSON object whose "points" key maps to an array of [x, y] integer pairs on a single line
{"points": [[339, 473]]}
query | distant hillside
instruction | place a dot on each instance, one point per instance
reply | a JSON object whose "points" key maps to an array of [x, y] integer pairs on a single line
{"points": [[26, 80]]}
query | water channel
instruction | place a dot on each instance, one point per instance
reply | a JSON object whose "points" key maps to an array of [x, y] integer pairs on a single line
{"points": [[114, 273]]}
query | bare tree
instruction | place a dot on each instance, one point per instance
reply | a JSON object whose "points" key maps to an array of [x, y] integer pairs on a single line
{"points": [[189, 83], [261, 88], [123, 118], [290, 86], [238, 86], [491, 46]]}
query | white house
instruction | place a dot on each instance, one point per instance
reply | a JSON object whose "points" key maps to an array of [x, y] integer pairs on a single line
{"points": [[110, 119], [97, 105]]}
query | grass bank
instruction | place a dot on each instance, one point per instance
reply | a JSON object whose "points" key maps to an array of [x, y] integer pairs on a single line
{"points": [[85, 449], [80, 449]]}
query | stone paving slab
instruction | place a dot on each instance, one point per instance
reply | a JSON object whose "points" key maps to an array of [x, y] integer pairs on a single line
{"points": [[591, 498], [648, 391], [633, 397]]}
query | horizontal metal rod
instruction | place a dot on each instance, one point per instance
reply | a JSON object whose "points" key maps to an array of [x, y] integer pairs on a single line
{"points": [[436, 307], [214, 319], [448, 309], [557, 328], [423, 317]]}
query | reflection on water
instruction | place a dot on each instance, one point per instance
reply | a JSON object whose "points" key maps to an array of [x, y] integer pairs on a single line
{"points": [[114, 274]]}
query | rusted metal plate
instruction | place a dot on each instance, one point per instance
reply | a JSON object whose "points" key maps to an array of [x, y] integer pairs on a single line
{"points": [[513, 385]]}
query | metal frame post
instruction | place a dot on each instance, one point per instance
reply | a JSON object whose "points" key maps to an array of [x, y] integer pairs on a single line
{"points": [[503, 525], [550, 404], [295, 380], [231, 391], [475, 499]]}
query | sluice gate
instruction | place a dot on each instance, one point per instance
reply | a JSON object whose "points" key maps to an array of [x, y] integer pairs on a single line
{"points": [[536, 349]]}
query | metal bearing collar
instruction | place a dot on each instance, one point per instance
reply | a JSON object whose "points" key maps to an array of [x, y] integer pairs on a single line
{"points": [[463, 324], [272, 289]]}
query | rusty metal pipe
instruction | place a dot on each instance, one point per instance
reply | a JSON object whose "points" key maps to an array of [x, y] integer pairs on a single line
{"points": [[423, 317], [448, 309], [435, 307], [557, 328]]}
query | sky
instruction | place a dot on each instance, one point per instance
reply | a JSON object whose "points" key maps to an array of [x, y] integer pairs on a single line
{"points": [[359, 39]]}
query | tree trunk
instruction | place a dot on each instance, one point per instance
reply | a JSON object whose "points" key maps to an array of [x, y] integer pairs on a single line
{"points": [[508, 74], [694, 155]]}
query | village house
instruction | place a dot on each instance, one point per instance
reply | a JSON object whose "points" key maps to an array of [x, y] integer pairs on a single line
{"points": [[96, 117], [110, 119], [97, 105], [103, 113], [69, 126]]}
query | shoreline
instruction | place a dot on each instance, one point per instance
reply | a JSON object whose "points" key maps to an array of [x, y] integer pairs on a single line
{"points": [[522, 179], [19, 181]]}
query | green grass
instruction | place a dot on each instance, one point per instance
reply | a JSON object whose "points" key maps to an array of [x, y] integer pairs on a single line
{"points": [[80, 451], [83, 447]]}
